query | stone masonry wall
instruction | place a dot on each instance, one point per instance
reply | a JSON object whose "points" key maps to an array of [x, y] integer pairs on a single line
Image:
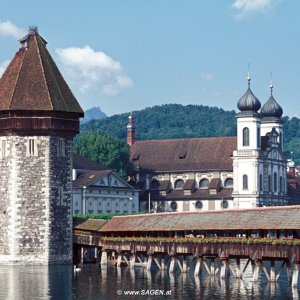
{"points": [[35, 209]]}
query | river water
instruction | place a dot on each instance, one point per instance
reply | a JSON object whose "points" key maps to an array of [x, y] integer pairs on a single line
{"points": [[92, 282]]}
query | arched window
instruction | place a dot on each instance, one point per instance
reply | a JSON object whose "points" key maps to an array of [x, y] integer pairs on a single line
{"points": [[224, 204], [198, 205], [179, 183], [260, 182], [275, 182], [154, 184], [245, 182], [258, 137], [246, 136], [228, 183], [204, 184], [280, 184], [270, 183], [173, 206]]}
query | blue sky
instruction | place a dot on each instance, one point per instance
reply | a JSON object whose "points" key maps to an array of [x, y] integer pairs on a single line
{"points": [[125, 55]]}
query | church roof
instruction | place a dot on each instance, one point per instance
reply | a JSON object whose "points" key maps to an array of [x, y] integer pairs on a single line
{"points": [[248, 102], [32, 81], [184, 154], [271, 109]]}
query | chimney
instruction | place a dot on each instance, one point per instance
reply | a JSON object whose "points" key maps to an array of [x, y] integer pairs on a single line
{"points": [[130, 131]]}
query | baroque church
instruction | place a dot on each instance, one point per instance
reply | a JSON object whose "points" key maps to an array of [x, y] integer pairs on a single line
{"points": [[244, 171]]}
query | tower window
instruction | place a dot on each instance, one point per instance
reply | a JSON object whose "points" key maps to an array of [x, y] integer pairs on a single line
{"points": [[204, 184], [245, 182], [61, 148], [246, 136], [270, 183], [32, 147], [280, 184], [179, 184], [258, 137], [3, 148]]}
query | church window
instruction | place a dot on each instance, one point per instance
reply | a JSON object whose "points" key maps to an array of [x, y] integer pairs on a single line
{"points": [[275, 182], [258, 137], [61, 148], [260, 182], [198, 205], [280, 184], [228, 183], [173, 206], [154, 184], [179, 184], [270, 183], [246, 136], [245, 182], [203, 184], [224, 204]]}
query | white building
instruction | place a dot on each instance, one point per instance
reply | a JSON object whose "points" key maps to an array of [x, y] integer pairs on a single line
{"points": [[245, 171], [97, 189]]}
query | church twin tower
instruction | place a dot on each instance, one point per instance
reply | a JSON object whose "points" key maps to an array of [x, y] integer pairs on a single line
{"points": [[259, 165], [38, 118]]}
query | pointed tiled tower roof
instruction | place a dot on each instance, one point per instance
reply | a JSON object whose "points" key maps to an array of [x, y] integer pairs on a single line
{"points": [[32, 86], [33, 81]]}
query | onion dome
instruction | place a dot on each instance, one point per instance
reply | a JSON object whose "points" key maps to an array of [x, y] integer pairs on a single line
{"points": [[248, 102], [271, 108]]}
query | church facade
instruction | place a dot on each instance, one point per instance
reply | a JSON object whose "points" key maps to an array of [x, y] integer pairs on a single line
{"points": [[244, 171]]}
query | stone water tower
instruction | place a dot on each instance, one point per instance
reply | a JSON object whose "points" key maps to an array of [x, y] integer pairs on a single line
{"points": [[39, 117]]}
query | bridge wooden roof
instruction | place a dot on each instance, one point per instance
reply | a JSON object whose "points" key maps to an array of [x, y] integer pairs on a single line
{"points": [[283, 217]]}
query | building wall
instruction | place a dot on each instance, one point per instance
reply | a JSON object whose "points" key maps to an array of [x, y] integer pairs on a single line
{"points": [[102, 200], [35, 219]]}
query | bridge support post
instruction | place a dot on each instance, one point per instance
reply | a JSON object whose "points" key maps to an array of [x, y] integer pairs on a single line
{"points": [[224, 268], [212, 267], [272, 271], [184, 265], [103, 258], [197, 267], [149, 262], [132, 260], [295, 274], [163, 263], [81, 255], [256, 270], [288, 270], [172, 264], [239, 273], [119, 259]]}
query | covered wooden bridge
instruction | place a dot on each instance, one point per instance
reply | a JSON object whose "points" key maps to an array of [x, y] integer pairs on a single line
{"points": [[216, 240]]}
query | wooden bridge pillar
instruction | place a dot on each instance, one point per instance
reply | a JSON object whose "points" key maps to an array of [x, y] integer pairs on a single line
{"points": [[163, 263], [256, 270], [149, 262], [212, 267], [288, 270], [197, 267], [295, 274], [224, 268], [81, 254], [184, 265], [239, 273], [132, 260], [272, 271], [103, 258], [172, 264], [119, 259]]}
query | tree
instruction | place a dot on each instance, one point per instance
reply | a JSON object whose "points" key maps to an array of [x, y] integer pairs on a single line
{"points": [[105, 149]]}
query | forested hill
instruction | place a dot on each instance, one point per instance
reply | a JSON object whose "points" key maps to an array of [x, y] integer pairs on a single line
{"points": [[169, 121], [177, 121]]}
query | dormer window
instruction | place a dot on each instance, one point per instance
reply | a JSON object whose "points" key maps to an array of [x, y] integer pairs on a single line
{"points": [[228, 183], [204, 184], [179, 184], [154, 184]]}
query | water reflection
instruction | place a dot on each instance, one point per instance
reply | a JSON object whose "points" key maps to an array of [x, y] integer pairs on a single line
{"points": [[108, 282]]}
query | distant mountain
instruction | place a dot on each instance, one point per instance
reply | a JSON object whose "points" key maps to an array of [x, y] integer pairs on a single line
{"points": [[94, 113], [172, 121]]}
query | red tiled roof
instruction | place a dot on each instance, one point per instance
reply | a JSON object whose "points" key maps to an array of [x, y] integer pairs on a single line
{"points": [[201, 154], [283, 217], [189, 184], [215, 183], [32, 81]]}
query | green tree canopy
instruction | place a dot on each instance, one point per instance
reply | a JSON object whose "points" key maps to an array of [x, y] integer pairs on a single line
{"points": [[105, 149]]}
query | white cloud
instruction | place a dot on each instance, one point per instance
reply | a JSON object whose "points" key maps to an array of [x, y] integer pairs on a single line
{"points": [[7, 28], [91, 69], [3, 66], [206, 76], [246, 7]]}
